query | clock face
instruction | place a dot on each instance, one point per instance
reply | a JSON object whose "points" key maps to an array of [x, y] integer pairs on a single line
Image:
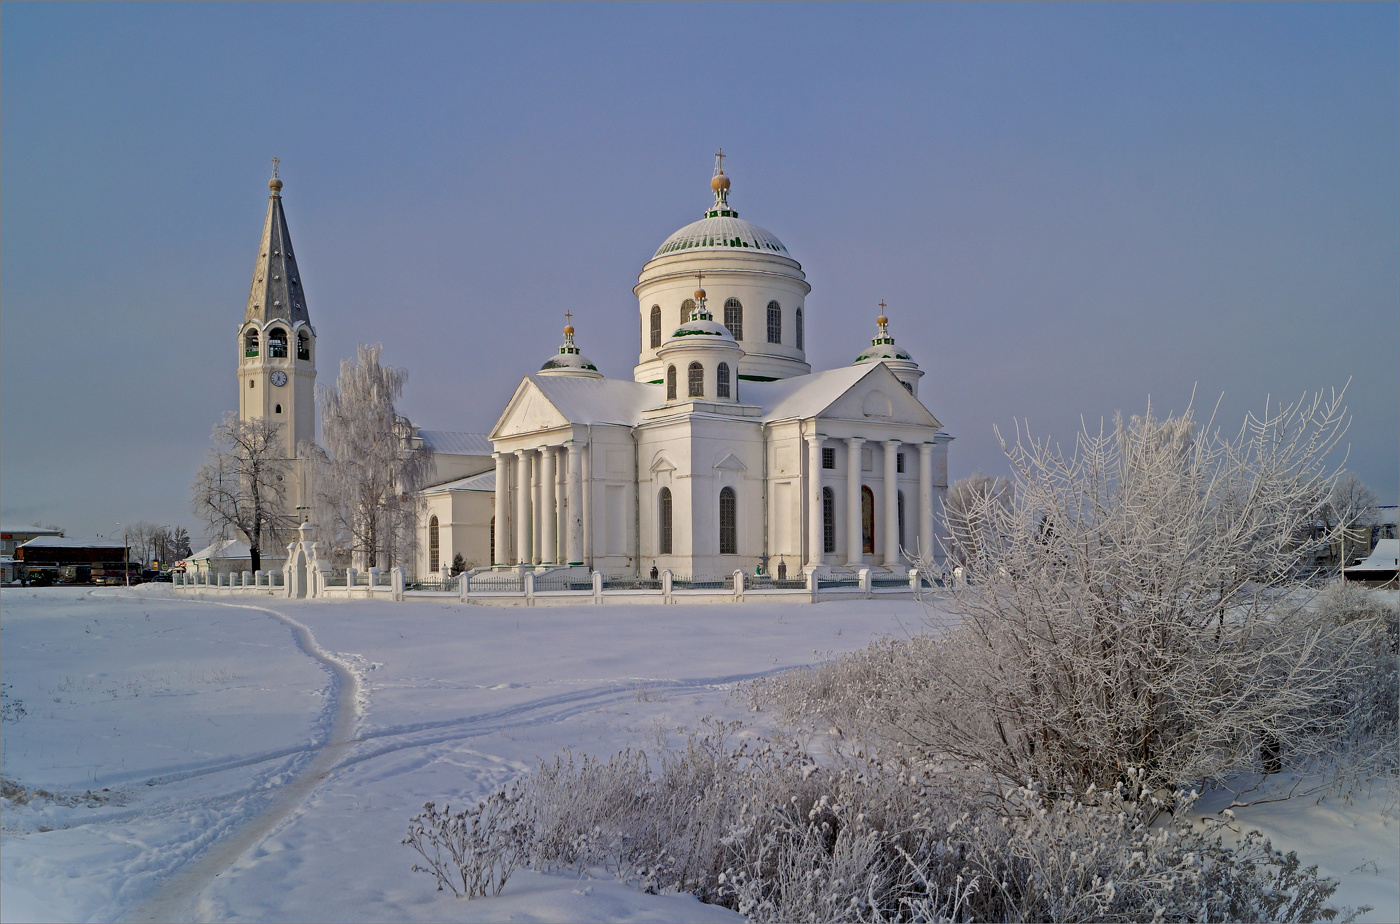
{"points": [[279, 378]]}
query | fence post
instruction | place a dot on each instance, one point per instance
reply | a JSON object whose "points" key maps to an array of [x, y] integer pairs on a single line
{"points": [[915, 580], [813, 586], [597, 587], [373, 580], [738, 585], [529, 588], [396, 584], [464, 585], [666, 586], [865, 581]]}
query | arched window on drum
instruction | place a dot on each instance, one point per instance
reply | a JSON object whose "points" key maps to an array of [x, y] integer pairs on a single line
{"points": [[775, 322], [722, 381], [797, 329], [695, 379], [655, 326], [734, 318]]}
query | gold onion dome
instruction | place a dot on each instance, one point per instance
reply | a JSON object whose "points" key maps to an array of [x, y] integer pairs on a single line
{"points": [[274, 184], [719, 182], [699, 293], [568, 330]]}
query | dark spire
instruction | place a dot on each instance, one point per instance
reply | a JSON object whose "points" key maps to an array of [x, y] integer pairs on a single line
{"points": [[276, 291]]}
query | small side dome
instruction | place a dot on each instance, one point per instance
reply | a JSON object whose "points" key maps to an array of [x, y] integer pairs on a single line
{"points": [[882, 349], [570, 360]]}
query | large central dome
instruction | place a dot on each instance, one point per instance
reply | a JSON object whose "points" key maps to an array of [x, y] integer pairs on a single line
{"points": [[719, 233]]}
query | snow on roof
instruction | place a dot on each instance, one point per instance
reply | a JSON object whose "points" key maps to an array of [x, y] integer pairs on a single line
{"points": [[456, 442], [31, 530], [223, 548], [72, 542], [1384, 557], [599, 401], [486, 481], [801, 395]]}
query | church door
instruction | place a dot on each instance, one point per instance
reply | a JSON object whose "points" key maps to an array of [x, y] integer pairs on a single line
{"points": [[867, 520]]}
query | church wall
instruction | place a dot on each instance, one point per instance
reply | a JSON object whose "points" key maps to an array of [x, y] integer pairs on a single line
{"points": [[787, 493], [696, 457], [613, 500], [464, 525]]}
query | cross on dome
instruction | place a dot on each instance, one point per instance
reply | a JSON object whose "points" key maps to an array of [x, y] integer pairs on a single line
{"points": [[719, 183], [275, 184]]}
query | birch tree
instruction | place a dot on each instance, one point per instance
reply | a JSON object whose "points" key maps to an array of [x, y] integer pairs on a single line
{"points": [[369, 472], [241, 490]]}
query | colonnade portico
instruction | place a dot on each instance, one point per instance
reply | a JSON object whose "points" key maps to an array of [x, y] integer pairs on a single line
{"points": [[548, 518], [855, 556]]}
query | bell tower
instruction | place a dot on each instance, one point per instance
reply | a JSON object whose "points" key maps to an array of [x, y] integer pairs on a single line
{"points": [[276, 342]]}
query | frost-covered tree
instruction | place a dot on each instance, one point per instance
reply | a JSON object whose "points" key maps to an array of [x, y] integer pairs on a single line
{"points": [[241, 490], [369, 472], [1136, 606], [961, 509], [1350, 511]]}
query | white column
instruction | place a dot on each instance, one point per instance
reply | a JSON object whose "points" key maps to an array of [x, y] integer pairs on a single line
{"points": [[536, 504], [574, 503], [561, 527], [500, 555], [815, 534], [892, 557], [549, 517], [928, 548], [523, 517], [587, 509], [853, 524]]}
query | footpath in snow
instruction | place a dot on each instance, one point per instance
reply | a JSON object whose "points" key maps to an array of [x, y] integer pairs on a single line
{"points": [[253, 758]]}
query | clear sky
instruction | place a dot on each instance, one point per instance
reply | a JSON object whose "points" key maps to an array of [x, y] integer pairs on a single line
{"points": [[1069, 209]]}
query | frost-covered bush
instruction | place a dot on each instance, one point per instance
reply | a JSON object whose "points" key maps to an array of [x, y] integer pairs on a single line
{"points": [[766, 831], [1367, 700], [1136, 604], [473, 851]]}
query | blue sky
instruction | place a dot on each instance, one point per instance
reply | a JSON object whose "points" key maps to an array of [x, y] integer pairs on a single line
{"points": [[1069, 209]]}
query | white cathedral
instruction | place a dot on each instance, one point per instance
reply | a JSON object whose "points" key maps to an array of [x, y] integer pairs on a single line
{"points": [[724, 451]]}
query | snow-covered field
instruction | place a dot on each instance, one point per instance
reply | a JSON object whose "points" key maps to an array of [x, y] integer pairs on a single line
{"points": [[250, 758]]}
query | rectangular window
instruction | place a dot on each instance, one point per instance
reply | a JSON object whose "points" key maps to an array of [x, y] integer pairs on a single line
{"points": [[828, 457], [899, 462], [867, 460]]}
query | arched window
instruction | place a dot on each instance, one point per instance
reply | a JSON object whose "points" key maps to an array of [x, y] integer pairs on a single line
{"points": [[902, 543], [663, 521], [695, 380], [687, 307], [867, 520], [655, 326], [277, 343], [670, 383], [798, 328], [828, 520], [734, 317], [775, 323], [728, 522], [908, 387], [303, 345], [722, 381], [250, 344], [434, 561], [279, 409]]}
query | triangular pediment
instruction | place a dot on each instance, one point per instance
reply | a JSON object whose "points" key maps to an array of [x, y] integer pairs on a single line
{"points": [[662, 464], [880, 396], [528, 411], [731, 463]]}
